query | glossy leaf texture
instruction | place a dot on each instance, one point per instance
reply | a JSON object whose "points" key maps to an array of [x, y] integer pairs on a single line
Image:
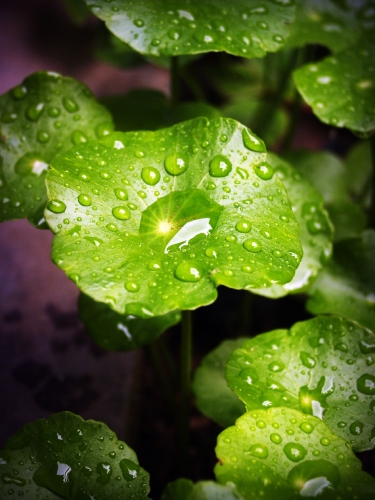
{"points": [[184, 489], [315, 229], [68, 457], [324, 367], [213, 397], [45, 115], [282, 453], [118, 332], [150, 222], [347, 285], [166, 27], [336, 24], [340, 89]]}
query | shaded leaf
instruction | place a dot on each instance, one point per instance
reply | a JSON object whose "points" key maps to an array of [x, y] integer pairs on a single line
{"points": [[282, 453], [340, 89], [163, 218], [315, 229], [77, 9], [324, 367], [184, 489], [160, 27], [212, 394], [347, 285], [119, 332], [358, 169], [44, 116], [68, 457], [348, 218]]}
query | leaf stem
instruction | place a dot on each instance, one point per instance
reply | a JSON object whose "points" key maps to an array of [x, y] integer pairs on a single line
{"points": [[185, 373], [174, 81]]}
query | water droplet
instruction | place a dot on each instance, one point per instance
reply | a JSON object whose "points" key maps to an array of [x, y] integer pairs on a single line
{"points": [[253, 246], [139, 23], [132, 286], [231, 238], [176, 163], [325, 442], [276, 366], [43, 136], [366, 384], [314, 478], [276, 438], [188, 271], [19, 92], [356, 428], [84, 200], [103, 129], [121, 213], [248, 375], [112, 227], [30, 163], [220, 166], [264, 171], [252, 142], [9, 479], [150, 175], [306, 427], [34, 112], [55, 477], [341, 347], [295, 452], [278, 39], [121, 194], [211, 252], [259, 451], [104, 470], [9, 117], [78, 137], [366, 347], [154, 266], [243, 226], [70, 105], [307, 360], [54, 112], [129, 469], [261, 424], [56, 206]]}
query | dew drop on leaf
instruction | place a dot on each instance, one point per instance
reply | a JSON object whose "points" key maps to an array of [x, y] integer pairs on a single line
{"points": [[121, 213], [84, 200], [243, 226], [121, 194], [70, 105], [253, 246], [295, 452], [176, 163], [366, 384], [356, 428], [307, 359], [252, 141], [56, 206], [129, 469], [259, 451], [306, 427], [264, 171], [150, 175], [276, 438], [104, 470], [220, 166], [189, 272], [132, 286]]}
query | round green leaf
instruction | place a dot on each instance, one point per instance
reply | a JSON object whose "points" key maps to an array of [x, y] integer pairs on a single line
{"points": [[68, 457], [324, 367], [119, 332], [315, 229], [150, 222], [282, 453], [332, 23], [184, 489], [47, 114], [162, 27], [347, 285], [212, 394], [340, 89]]}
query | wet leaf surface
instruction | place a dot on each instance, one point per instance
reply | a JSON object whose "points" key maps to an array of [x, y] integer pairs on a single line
{"points": [[184, 489]]}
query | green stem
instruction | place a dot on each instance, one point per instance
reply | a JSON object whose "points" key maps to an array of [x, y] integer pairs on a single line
{"points": [[168, 358], [174, 81], [372, 206], [186, 348]]}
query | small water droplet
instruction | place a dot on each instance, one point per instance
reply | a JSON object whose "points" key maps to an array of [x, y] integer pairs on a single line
{"points": [[253, 246], [132, 286], [220, 166], [154, 266], [276, 438], [276, 366], [121, 194], [34, 112], [84, 200], [356, 428], [121, 213], [307, 359], [150, 175], [306, 427], [56, 206], [188, 271], [70, 105], [139, 23], [259, 451], [54, 112], [19, 92], [129, 469], [264, 171], [104, 470], [325, 441], [78, 137], [176, 163], [243, 226]]}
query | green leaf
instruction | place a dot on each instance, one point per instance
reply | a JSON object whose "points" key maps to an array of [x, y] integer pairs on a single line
{"points": [[347, 285], [159, 27], [212, 394], [284, 454], [113, 51], [315, 229], [358, 169], [348, 219], [77, 9], [332, 23], [68, 457], [119, 332], [150, 222], [340, 89], [323, 367], [184, 489], [47, 114], [147, 109]]}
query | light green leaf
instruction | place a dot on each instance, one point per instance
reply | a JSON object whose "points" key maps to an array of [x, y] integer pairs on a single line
{"points": [[283, 454], [161, 27], [47, 114], [347, 285], [358, 169], [323, 367], [348, 219], [337, 24], [147, 109], [150, 222], [184, 489], [315, 229], [340, 89], [68, 457], [212, 394], [119, 332]]}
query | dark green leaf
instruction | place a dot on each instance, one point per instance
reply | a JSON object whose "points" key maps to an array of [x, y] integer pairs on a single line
{"points": [[212, 394], [358, 169], [340, 89], [348, 218], [284, 454], [68, 457], [47, 114], [347, 285], [119, 332], [323, 367], [77, 10], [162, 27], [314, 224], [150, 222], [184, 489], [113, 51]]}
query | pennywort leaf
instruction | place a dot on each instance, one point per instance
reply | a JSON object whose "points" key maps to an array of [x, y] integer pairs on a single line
{"points": [[119, 332], [67, 457], [45, 115], [184, 489], [150, 222], [164, 27], [283, 453], [324, 367]]}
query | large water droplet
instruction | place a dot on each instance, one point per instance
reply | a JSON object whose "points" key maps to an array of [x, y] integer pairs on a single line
{"points": [[129, 469], [259, 451], [314, 478], [150, 175], [356, 428], [19, 92], [264, 171], [252, 141], [34, 112], [306, 427], [366, 384], [121, 194], [276, 366], [253, 246], [70, 105], [56, 206], [248, 375], [366, 346], [132, 286], [121, 213], [55, 477], [276, 438], [176, 163], [78, 137], [104, 470], [295, 452], [30, 163], [220, 166], [84, 200], [243, 226], [307, 359], [188, 271]]}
